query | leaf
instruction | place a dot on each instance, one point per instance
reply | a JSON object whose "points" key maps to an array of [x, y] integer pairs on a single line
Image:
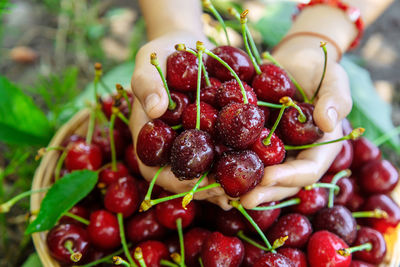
{"points": [[21, 121], [275, 22], [61, 197], [33, 261], [369, 110]]}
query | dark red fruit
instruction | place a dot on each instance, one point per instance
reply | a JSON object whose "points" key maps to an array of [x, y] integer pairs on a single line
{"points": [[322, 250], [364, 151], [296, 133], [251, 254], [144, 226], [355, 202], [267, 113], [273, 260], [264, 218], [271, 154], [182, 68], [230, 222], [208, 93], [101, 138], [131, 159], [360, 264], [154, 143], [108, 176], [378, 177], [296, 256], [208, 117], [193, 240], [378, 251], [78, 211], [311, 201], [230, 92], [82, 156], [344, 159], [272, 84], [219, 250], [168, 212], [174, 117], [192, 154], [239, 171], [296, 226], [122, 196], [236, 58], [60, 234], [346, 189], [103, 230], [337, 220], [240, 125], [153, 252]]}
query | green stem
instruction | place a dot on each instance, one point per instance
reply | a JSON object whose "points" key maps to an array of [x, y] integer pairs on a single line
{"points": [[288, 147], [204, 71], [125, 95], [208, 5], [335, 179], [201, 262], [287, 203], [241, 235], [123, 240], [385, 137], [6, 206], [147, 199], [188, 197], [349, 251], [112, 143], [76, 218], [243, 22], [181, 243], [176, 127], [267, 140], [154, 62], [89, 134], [122, 117], [323, 46], [117, 260], [168, 263], [59, 165], [270, 105], [323, 185], [377, 213], [104, 259], [139, 257], [200, 59]]}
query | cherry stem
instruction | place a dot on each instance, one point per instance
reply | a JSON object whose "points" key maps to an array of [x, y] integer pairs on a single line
{"points": [[287, 203], [323, 185], [117, 260], [182, 47], [42, 151], [122, 117], [75, 256], [323, 46], [112, 141], [104, 259], [241, 235], [176, 127], [200, 48], [352, 136], [6, 206], [98, 72], [181, 243], [76, 218], [267, 104], [147, 199], [220, 60], [347, 251], [268, 56], [189, 196], [155, 63], [121, 91], [377, 213], [59, 165], [335, 179], [210, 7], [89, 134], [385, 137], [236, 204], [243, 22], [139, 257], [168, 263], [267, 140], [201, 262], [279, 242], [123, 240]]}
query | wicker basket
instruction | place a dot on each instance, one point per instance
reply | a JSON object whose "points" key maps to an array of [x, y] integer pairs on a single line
{"points": [[78, 125]]}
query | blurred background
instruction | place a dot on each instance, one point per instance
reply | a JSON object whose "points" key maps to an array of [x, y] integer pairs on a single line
{"points": [[47, 52]]}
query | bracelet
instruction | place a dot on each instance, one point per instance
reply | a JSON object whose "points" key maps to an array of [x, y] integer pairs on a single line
{"points": [[313, 34], [353, 13]]}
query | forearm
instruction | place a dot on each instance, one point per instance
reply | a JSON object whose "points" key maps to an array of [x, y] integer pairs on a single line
{"points": [[370, 9], [163, 16]]}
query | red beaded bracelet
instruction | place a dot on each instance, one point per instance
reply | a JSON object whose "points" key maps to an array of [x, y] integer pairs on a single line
{"points": [[353, 13]]}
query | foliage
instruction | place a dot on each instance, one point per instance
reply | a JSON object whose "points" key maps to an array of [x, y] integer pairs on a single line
{"points": [[33, 261]]}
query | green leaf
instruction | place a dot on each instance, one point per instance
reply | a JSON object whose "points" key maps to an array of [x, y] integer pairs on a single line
{"points": [[21, 121], [275, 22], [369, 110], [61, 197], [33, 261]]}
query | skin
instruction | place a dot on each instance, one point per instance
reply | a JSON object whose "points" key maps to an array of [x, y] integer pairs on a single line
{"points": [[301, 56]]}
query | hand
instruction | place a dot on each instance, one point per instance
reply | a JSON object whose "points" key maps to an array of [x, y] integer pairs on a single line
{"points": [[332, 104]]}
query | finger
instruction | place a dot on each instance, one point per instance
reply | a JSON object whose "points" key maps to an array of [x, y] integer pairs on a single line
{"points": [[309, 166], [222, 201], [262, 194], [333, 102]]}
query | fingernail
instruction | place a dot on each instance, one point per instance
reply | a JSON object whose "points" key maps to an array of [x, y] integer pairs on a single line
{"points": [[151, 101], [332, 115]]}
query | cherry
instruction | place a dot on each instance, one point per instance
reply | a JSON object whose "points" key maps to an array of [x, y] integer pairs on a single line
{"points": [[273, 260], [346, 190], [364, 151], [355, 202], [251, 254], [385, 203], [296, 133], [101, 138], [174, 117], [153, 252], [267, 113], [71, 139], [192, 154], [337, 220], [220, 250], [103, 230], [360, 264], [271, 154], [144, 226], [239, 171], [272, 84], [143, 186], [311, 201], [122, 196], [107, 105], [58, 237], [296, 256], [172, 244], [264, 218], [77, 210], [378, 177], [344, 159], [168, 212], [239, 125], [193, 240], [154, 143], [82, 156], [230, 222], [236, 58], [322, 250], [131, 159], [230, 92], [208, 117], [208, 93], [108, 176], [295, 226], [378, 251], [182, 68]]}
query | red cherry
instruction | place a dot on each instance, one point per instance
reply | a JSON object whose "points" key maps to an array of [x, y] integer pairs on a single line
{"points": [[131, 159], [168, 212], [251, 254], [174, 117], [264, 218], [346, 189], [220, 250], [344, 159], [378, 177], [272, 84], [208, 93], [271, 154], [101, 138], [311, 201], [296, 256], [230, 92], [230, 222], [182, 69], [144, 226], [103, 230], [82, 156], [267, 114], [355, 202], [361, 264], [194, 240], [106, 106], [322, 250], [273, 260], [108, 176], [78, 211], [237, 59], [208, 117], [153, 252], [378, 251], [60, 234], [364, 151]]}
